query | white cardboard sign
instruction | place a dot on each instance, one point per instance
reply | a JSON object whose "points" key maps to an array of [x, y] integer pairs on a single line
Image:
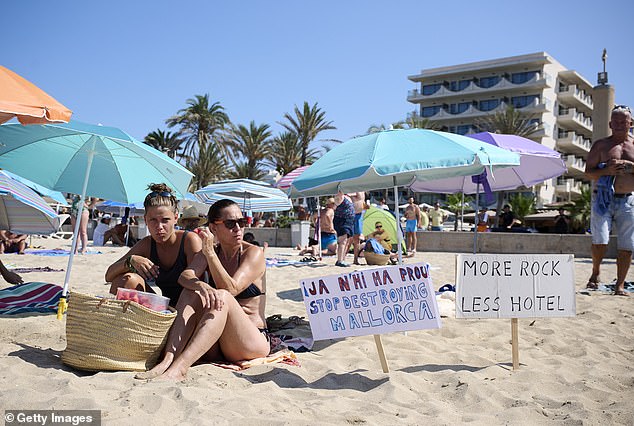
{"points": [[515, 286], [371, 301]]}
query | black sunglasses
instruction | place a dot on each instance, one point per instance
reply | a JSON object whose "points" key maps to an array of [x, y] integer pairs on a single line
{"points": [[378, 226], [155, 194], [231, 223]]}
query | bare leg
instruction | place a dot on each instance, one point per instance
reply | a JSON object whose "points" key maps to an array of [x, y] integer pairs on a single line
{"points": [[342, 243], [623, 260], [83, 231], [239, 339], [356, 248], [21, 247], [414, 241], [128, 280], [189, 308], [598, 252]]}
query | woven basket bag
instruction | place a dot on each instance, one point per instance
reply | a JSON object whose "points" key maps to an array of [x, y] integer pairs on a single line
{"points": [[116, 335], [372, 258]]}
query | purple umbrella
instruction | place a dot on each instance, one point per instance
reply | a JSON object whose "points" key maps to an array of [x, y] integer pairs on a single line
{"points": [[537, 164]]}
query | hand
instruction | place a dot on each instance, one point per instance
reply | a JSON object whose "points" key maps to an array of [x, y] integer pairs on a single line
{"points": [[12, 277], [212, 298], [208, 239], [144, 267]]}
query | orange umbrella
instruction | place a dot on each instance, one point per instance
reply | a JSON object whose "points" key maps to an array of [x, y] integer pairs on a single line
{"points": [[22, 99]]}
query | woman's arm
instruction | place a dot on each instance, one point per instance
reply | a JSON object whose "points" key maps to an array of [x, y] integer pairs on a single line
{"points": [[135, 260]]}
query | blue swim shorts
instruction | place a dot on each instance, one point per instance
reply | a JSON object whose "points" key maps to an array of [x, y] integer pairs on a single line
{"points": [[621, 213], [327, 239], [410, 225], [358, 224]]}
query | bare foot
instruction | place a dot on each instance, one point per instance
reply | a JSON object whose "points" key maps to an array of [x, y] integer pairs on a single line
{"points": [[621, 293], [158, 370], [173, 375]]}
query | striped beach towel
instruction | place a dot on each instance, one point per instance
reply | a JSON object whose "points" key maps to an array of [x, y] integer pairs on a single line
{"points": [[30, 297]]}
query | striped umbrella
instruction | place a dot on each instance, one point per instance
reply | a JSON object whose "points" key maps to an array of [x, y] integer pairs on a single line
{"points": [[250, 195], [285, 183], [22, 211]]}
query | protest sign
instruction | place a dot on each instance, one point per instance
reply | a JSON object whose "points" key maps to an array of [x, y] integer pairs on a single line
{"points": [[371, 301], [515, 286]]}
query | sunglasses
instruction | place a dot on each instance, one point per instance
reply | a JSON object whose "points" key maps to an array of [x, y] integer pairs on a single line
{"points": [[231, 223], [155, 194], [378, 226]]}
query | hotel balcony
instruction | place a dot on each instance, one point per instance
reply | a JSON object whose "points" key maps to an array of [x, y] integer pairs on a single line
{"points": [[576, 97], [571, 118], [473, 111], [569, 187], [576, 165], [504, 85], [573, 143]]}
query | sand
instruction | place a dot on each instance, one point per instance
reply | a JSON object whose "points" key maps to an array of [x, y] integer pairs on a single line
{"points": [[573, 370]]}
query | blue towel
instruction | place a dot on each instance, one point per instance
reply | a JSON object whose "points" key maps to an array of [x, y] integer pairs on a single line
{"points": [[604, 189]]}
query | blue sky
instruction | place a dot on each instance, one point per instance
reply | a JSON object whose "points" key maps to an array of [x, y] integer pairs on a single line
{"points": [[132, 64]]}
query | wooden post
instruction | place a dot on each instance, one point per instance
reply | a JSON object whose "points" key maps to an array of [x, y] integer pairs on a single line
{"points": [[515, 344], [382, 358]]}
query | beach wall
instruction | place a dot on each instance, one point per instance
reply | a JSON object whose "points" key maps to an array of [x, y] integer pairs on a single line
{"points": [[462, 242]]}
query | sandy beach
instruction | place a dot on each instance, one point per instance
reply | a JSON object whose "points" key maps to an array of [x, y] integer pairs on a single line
{"points": [[573, 370]]}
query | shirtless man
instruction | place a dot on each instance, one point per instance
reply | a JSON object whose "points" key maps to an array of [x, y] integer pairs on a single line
{"points": [[358, 201], [413, 216], [613, 156], [328, 233]]}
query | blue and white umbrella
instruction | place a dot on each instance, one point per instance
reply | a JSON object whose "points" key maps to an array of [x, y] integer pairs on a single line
{"points": [[23, 211], [250, 195]]}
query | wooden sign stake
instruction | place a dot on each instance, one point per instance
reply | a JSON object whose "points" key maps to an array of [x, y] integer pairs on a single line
{"points": [[515, 344], [382, 358]]}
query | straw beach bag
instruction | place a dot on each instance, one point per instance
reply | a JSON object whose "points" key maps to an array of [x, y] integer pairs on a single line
{"points": [[116, 335], [376, 258]]}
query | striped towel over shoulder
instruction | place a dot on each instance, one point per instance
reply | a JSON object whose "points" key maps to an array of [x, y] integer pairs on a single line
{"points": [[30, 297]]}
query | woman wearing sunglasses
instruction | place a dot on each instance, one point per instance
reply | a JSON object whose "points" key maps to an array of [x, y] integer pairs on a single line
{"points": [[223, 320], [160, 257]]}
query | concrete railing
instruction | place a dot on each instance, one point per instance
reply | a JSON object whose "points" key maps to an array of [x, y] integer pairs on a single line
{"points": [[462, 242]]}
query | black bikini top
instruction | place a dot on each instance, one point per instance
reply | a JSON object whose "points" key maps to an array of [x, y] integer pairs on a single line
{"points": [[251, 291]]}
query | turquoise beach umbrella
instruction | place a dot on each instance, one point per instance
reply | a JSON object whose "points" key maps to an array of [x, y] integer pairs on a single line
{"points": [[86, 159]]}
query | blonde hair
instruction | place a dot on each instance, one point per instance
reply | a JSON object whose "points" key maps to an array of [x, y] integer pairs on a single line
{"points": [[160, 195]]}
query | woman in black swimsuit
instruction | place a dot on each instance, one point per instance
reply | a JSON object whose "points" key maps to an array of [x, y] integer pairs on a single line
{"points": [[222, 320], [161, 256]]}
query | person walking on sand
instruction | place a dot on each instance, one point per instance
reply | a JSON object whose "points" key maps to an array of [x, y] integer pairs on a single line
{"points": [[610, 165], [223, 320], [413, 219], [83, 220], [343, 222], [358, 201]]}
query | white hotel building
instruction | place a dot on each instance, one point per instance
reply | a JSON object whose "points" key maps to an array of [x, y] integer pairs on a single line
{"points": [[456, 97]]}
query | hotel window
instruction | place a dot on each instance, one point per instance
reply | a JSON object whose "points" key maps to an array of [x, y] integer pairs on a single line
{"points": [[461, 130], [522, 77], [489, 104], [522, 101], [459, 108], [486, 82], [456, 86], [430, 111], [430, 89]]}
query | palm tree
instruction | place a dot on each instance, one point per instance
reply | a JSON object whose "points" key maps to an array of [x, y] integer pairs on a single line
{"points": [[456, 206], [509, 122], [210, 165], [198, 122], [307, 124], [166, 142], [252, 145], [581, 210], [412, 122], [286, 153], [241, 170]]}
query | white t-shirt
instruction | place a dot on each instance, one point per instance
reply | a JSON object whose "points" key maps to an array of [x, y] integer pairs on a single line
{"points": [[98, 233]]}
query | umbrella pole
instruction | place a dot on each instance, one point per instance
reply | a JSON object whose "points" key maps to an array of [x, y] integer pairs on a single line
{"points": [[61, 307], [318, 228], [399, 235], [476, 218]]}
